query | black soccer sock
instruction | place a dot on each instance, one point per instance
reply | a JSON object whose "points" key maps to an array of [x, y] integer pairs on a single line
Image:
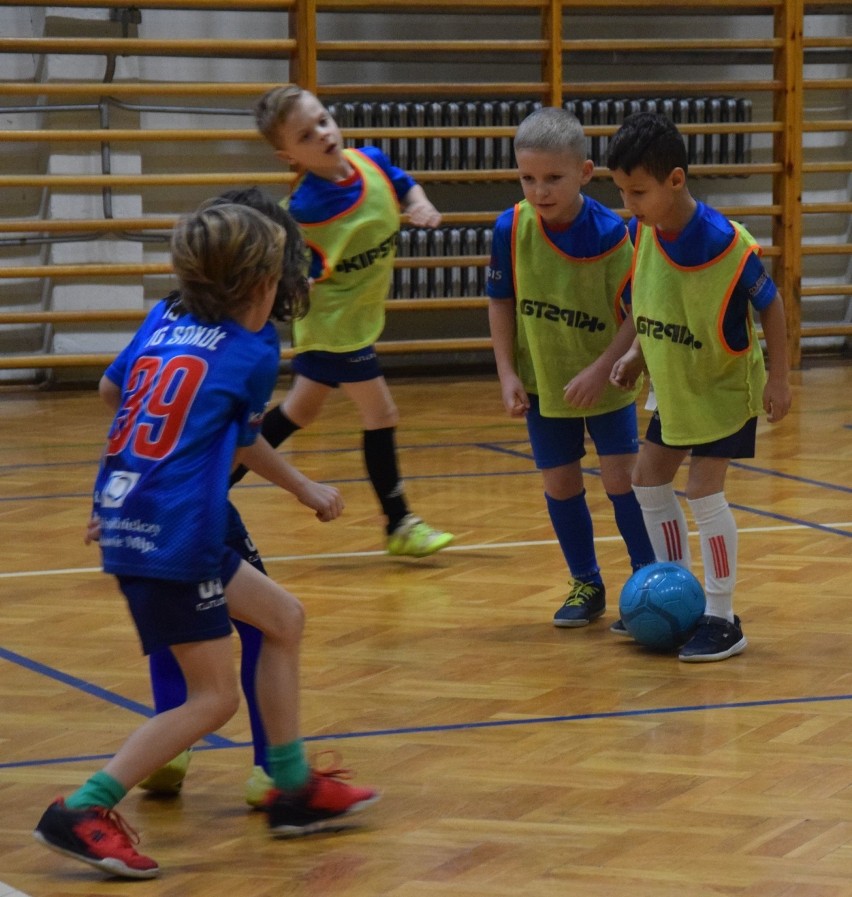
{"points": [[276, 427], [383, 471]]}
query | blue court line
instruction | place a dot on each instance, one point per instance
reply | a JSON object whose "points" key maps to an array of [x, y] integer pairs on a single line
{"points": [[496, 447], [793, 520], [789, 476], [332, 481], [594, 471], [752, 468], [578, 717], [355, 447], [96, 691], [486, 724]]}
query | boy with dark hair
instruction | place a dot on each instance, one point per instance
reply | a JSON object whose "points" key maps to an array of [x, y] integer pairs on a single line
{"points": [[696, 278]]}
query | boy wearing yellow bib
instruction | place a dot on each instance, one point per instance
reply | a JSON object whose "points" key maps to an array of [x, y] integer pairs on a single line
{"points": [[697, 277], [559, 268], [347, 203]]}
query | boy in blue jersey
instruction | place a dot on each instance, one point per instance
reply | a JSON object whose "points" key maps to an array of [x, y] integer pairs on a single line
{"points": [[167, 682], [696, 278], [348, 205], [189, 407], [559, 267]]}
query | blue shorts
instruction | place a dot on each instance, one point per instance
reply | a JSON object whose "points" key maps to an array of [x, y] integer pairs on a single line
{"points": [[737, 445], [167, 612], [239, 539], [334, 368], [557, 441]]}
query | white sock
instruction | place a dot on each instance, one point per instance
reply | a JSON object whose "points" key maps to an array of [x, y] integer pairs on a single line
{"points": [[717, 532], [665, 522]]}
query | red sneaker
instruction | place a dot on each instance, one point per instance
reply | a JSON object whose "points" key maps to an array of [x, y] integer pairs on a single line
{"points": [[96, 836], [317, 806]]}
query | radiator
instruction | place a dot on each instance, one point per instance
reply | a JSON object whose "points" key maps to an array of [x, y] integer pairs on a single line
{"points": [[452, 280], [470, 153]]}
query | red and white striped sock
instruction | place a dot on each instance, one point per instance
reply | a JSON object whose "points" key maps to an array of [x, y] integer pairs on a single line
{"points": [[665, 522], [717, 533]]}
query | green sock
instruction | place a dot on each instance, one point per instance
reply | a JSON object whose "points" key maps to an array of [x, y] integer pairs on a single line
{"points": [[101, 790], [288, 765]]}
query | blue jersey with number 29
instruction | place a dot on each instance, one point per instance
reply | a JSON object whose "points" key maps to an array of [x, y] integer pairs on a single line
{"points": [[191, 393]]}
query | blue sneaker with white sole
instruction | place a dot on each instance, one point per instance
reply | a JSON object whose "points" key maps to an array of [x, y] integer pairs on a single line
{"points": [[715, 638]]}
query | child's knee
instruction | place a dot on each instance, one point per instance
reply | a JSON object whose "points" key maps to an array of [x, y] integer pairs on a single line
{"points": [[230, 704], [381, 418], [392, 415], [302, 413], [216, 705], [617, 478], [287, 623], [563, 482], [295, 618]]}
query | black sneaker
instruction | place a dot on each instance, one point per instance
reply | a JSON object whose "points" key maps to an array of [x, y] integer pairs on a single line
{"points": [[97, 836], [585, 602], [618, 628], [714, 639], [319, 805]]}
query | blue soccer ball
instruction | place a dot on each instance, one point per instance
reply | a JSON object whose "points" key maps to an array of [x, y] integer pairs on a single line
{"points": [[661, 605]]}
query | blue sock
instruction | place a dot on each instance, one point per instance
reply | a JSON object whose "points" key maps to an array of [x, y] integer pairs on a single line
{"points": [[572, 524], [252, 639], [169, 688], [631, 525], [167, 683]]}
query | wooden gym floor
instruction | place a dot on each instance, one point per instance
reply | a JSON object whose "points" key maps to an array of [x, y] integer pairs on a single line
{"points": [[515, 758]]}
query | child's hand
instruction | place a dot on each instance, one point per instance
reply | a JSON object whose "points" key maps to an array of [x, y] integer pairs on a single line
{"points": [[626, 371], [586, 389], [93, 530], [325, 500], [421, 213], [515, 398], [777, 398]]}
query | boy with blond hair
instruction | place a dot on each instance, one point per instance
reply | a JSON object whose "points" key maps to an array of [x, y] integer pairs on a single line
{"points": [[559, 268]]}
